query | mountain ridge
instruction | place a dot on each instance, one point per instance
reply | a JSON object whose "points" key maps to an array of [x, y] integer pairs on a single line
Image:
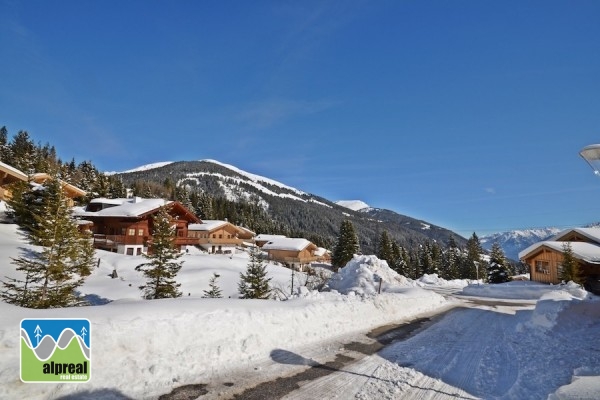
{"points": [[512, 242], [304, 212]]}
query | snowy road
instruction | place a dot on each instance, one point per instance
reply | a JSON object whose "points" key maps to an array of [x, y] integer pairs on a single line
{"points": [[439, 362], [431, 357], [481, 348]]}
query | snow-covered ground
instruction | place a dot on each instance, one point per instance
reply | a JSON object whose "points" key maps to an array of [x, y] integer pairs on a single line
{"points": [[143, 349]]}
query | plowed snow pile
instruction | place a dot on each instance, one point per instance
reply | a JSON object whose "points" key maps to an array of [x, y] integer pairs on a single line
{"points": [[362, 275]]}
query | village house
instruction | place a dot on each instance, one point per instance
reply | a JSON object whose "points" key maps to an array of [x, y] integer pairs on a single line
{"points": [[125, 225], [71, 191], [10, 175], [220, 237], [544, 258], [296, 253]]}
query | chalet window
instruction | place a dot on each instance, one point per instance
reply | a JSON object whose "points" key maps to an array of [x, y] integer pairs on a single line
{"points": [[131, 232], [214, 235], [140, 232], [228, 236], [139, 251], [543, 267], [220, 236], [130, 251]]}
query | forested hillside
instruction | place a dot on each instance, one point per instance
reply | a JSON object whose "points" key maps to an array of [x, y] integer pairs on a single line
{"points": [[218, 191], [266, 206]]}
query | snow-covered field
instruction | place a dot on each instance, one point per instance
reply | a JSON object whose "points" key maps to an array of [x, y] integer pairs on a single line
{"points": [[142, 349]]}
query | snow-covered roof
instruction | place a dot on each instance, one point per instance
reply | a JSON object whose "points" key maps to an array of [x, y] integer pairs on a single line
{"points": [[13, 171], [294, 244], [266, 238], [207, 225], [247, 230], [321, 251], [133, 207], [115, 202], [590, 233], [74, 191], [584, 251]]}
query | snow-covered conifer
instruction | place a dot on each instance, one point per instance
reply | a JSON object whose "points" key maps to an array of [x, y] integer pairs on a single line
{"points": [[254, 284], [163, 265], [53, 272]]}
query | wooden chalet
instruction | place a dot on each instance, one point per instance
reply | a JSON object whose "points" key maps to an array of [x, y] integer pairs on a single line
{"points": [[8, 176], [125, 225], [71, 191], [296, 253], [544, 258], [221, 237]]}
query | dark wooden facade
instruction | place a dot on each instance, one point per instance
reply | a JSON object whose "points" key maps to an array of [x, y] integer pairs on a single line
{"points": [[133, 235]]}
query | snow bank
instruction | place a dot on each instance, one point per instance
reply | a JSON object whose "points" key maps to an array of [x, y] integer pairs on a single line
{"points": [[435, 280], [362, 276], [552, 303], [160, 344]]}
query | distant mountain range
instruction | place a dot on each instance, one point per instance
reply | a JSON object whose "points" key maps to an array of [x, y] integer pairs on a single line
{"points": [[302, 211], [512, 242]]}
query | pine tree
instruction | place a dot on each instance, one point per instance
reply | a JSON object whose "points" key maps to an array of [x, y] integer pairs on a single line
{"points": [[570, 269], [497, 269], [385, 251], [116, 187], [399, 263], [22, 152], [214, 292], [436, 258], [4, 144], [163, 265], [347, 246], [472, 267], [53, 273], [254, 284], [452, 261]]}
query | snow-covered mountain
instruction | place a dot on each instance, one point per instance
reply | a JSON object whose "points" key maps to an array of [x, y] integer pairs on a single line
{"points": [[354, 205], [512, 242], [300, 212]]}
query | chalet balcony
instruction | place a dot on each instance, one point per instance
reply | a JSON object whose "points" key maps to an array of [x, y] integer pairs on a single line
{"points": [[217, 241], [295, 260], [186, 241], [114, 240]]}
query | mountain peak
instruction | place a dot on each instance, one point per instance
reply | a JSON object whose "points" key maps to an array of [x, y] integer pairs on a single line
{"points": [[354, 205]]}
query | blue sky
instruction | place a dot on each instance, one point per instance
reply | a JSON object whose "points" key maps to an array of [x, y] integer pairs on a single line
{"points": [[467, 114]]}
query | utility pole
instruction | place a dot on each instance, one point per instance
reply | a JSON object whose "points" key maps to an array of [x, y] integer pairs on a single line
{"points": [[292, 268]]}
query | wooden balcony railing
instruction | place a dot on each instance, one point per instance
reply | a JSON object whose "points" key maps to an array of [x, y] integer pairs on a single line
{"points": [[291, 260], [217, 241]]}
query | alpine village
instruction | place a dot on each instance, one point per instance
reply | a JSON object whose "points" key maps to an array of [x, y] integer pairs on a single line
{"points": [[71, 210]]}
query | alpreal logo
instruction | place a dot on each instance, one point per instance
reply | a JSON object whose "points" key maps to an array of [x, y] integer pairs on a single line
{"points": [[55, 350]]}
